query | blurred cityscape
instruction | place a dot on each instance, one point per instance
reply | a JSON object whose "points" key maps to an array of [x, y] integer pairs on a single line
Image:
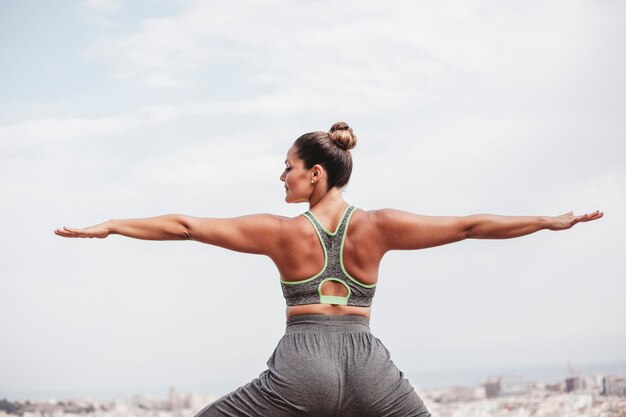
{"points": [[594, 396]]}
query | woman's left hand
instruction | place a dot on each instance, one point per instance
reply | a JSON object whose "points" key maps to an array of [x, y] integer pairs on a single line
{"points": [[567, 220]]}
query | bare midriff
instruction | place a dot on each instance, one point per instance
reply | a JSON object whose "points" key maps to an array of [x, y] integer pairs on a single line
{"points": [[328, 309]]}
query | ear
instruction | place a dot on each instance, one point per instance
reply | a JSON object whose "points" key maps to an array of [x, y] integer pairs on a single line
{"points": [[317, 172]]}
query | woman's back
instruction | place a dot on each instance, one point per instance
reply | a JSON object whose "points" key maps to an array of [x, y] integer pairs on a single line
{"points": [[301, 255], [336, 277]]}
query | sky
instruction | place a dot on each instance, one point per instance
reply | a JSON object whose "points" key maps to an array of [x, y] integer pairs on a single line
{"points": [[112, 109]]}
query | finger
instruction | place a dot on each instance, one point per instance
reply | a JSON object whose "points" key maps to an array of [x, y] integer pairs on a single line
{"points": [[582, 218], [65, 233], [72, 232], [596, 216], [75, 232], [592, 216]]}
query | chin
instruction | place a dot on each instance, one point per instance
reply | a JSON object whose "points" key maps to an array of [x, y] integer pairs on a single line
{"points": [[291, 200]]}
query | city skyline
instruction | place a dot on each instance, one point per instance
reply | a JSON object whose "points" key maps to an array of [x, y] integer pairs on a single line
{"points": [[581, 396]]}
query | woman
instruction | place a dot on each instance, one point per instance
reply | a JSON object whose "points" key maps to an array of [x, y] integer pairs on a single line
{"points": [[327, 363]]}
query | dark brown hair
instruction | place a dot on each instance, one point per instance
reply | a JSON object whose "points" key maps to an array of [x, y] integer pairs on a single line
{"points": [[331, 150]]}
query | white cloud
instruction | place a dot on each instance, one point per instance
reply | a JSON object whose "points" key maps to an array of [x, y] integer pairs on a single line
{"points": [[99, 12], [354, 45], [58, 130], [102, 6], [366, 57], [161, 80]]}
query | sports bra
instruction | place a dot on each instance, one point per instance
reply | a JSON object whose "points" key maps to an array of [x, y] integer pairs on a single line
{"points": [[309, 291]]}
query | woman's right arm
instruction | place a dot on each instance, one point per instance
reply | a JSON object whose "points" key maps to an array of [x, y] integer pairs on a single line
{"points": [[166, 227], [258, 233]]}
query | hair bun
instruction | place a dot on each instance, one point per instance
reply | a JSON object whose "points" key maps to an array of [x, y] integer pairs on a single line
{"points": [[342, 135]]}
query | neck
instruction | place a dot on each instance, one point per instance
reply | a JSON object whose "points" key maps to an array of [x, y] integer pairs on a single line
{"points": [[332, 200]]}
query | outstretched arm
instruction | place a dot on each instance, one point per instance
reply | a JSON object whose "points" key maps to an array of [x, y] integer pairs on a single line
{"points": [[251, 234], [402, 230]]}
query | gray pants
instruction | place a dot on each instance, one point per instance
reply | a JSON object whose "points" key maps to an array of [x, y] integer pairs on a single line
{"points": [[325, 366]]}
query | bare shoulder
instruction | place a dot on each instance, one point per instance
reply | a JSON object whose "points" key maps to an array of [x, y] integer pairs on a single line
{"points": [[368, 222], [385, 217], [281, 226], [369, 217], [289, 226], [388, 217]]}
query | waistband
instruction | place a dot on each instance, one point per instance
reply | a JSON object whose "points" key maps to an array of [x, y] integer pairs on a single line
{"points": [[327, 323]]}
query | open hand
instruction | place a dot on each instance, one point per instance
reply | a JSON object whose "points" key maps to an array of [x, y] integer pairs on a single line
{"points": [[567, 220], [100, 231]]}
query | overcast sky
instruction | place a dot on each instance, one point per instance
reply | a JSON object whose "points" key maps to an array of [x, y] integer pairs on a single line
{"points": [[113, 109]]}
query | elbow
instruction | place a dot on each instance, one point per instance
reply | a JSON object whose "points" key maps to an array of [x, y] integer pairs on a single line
{"points": [[184, 228], [468, 228]]}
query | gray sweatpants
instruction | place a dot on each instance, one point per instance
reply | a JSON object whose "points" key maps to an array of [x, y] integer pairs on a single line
{"points": [[325, 366]]}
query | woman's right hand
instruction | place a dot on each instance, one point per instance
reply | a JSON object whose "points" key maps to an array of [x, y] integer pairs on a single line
{"points": [[100, 231]]}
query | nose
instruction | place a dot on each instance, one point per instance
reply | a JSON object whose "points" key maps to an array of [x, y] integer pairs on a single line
{"points": [[282, 176]]}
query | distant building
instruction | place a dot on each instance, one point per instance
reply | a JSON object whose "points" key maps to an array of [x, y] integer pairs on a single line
{"points": [[492, 388], [614, 385], [177, 400], [460, 393], [514, 385], [573, 383], [557, 387], [583, 384]]}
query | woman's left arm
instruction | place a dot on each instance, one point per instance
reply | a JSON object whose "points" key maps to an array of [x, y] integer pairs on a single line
{"points": [[491, 226], [400, 230]]}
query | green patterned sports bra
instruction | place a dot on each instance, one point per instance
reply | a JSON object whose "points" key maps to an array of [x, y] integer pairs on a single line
{"points": [[308, 291]]}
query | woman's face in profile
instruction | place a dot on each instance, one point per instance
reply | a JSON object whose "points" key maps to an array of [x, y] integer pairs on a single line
{"points": [[297, 179]]}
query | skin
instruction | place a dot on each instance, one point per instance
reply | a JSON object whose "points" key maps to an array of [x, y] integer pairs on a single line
{"points": [[293, 245]]}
